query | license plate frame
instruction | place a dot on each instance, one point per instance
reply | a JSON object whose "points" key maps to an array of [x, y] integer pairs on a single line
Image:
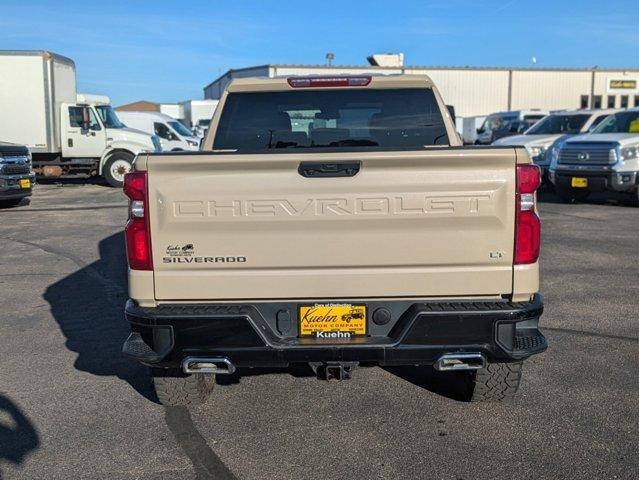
{"points": [[332, 320], [579, 182], [24, 183]]}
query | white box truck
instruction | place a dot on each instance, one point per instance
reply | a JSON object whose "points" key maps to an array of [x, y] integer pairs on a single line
{"points": [[198, 114], [69, 134], [175, 110]]}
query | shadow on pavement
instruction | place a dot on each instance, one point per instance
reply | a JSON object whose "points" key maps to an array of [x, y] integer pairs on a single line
{"points": [[89, 308], [436, 382], [295, 370], [424, 377], [63, 182], [18, 437], [546, 194], [24, 202], [206, 463]]}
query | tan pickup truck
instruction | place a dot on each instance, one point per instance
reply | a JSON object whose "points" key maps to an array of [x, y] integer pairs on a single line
{"points": [[333, 222]]}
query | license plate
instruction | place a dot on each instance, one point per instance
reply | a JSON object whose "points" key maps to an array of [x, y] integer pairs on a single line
{"points": [[25, 183], [332, 320], [579, 182]]}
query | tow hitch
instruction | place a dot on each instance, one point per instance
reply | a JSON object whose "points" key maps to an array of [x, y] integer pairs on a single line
{"points": [[334, 370]]}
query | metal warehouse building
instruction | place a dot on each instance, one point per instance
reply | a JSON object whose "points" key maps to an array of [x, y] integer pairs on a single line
{"points": [[479, 91]]}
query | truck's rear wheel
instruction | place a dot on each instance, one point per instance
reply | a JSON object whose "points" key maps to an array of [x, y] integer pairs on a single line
{"points": [[496, 382], [116, 167], [572, 195], [176, 390]]}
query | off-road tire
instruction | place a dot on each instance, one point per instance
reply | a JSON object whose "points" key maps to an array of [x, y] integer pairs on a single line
{"points": [[182, 390], [572, 195], [106, 169], [496, 382]]}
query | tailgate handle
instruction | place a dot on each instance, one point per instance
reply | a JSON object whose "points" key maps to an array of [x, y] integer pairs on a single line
{"points": [[339, 169]]}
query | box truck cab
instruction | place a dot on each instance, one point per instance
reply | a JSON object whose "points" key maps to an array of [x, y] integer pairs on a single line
{"points": [[69, 134], [173, 135]]}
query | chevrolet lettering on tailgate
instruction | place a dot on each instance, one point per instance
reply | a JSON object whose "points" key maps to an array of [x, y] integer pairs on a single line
{"points": [[400, 205]]}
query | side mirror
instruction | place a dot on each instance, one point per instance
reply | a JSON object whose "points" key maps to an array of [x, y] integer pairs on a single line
{"points": [[86, 123]]}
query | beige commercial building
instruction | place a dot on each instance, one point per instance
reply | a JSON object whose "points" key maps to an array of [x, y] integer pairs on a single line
{"points": [[479, 91]]}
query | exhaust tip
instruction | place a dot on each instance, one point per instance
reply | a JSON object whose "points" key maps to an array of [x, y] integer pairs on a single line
{"points": [[215, 365], [460, 361]]}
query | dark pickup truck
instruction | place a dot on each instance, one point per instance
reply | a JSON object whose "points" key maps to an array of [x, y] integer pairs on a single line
{"points": [[16, 174]]}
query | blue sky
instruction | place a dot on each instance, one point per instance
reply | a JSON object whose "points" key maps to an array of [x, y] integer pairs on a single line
{"points": [[168, 51]]}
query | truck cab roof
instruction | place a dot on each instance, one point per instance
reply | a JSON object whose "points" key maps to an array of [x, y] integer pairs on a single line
{"points": [[92, 99]]}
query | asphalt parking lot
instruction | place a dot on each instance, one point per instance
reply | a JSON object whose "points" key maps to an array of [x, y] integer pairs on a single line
{"points": [[72, 407]]}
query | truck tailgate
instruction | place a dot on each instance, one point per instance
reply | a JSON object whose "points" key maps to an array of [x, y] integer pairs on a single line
{"points": [[437, 222]]}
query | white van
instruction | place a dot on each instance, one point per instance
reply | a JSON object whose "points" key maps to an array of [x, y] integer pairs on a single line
{"points": [[173, 135]]}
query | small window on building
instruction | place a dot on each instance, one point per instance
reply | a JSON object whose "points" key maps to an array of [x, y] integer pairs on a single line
{"points": [[611, 101], [636, 100], [624, 101], [584, 101], [596, 101]]}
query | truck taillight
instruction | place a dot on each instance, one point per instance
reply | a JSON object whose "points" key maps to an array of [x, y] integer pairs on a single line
{"points": [[340, 81], [527, 223], [137, 232]]}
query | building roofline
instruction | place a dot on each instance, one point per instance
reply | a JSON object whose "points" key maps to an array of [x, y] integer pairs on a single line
{"points": [[465, 67], [431, 67]]}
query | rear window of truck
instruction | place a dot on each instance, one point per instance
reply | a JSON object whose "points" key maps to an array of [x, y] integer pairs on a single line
{"points": [[403, 119]]}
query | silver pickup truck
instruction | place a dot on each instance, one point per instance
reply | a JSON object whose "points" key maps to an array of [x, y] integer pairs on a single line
{"points": [[605, 160]]}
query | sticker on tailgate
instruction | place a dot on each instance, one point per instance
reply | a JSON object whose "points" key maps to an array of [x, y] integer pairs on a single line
{"points": [[186, 254]]}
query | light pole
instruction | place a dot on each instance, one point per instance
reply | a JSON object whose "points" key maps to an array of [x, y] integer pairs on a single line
{"points": [[329, 58]]}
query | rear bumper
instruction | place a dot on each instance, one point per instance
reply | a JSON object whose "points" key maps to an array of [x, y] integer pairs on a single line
{"points": [[257, 335]]}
